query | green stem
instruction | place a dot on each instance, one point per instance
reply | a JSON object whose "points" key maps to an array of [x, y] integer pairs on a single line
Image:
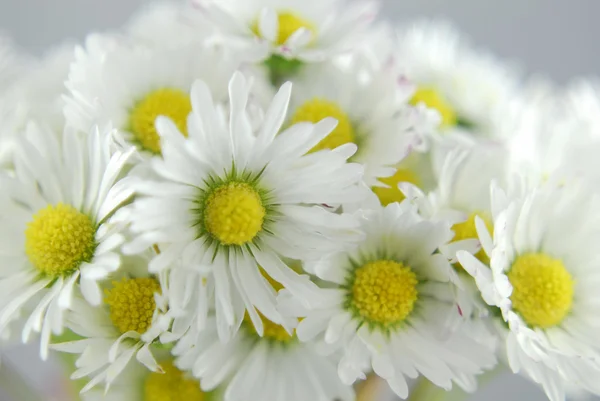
{"points": [[13, 384]]}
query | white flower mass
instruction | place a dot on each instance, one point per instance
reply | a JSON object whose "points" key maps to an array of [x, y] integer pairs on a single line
{"points": [[286, 200]]}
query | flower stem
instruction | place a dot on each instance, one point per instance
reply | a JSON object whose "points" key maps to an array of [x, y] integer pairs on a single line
{"points": [[13, 384]]}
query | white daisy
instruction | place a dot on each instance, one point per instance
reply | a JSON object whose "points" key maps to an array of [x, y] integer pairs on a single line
{"points": [[273, 366], [56, 232], [230, 199], [475, 94], [136, 383], [34, 94], [391, 306], [543, 277], [302, 30], [130, 85], [130, 321], [372, 110]]}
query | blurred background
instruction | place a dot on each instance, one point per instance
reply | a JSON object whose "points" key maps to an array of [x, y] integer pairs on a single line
{"points": [[556, 39]]}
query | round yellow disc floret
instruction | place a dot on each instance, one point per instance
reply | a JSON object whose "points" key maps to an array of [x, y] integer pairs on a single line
{"points": [[172, 385], [59, 239], [467, 230], [393, 194], [168, 102], [288, 23], [435, 100], [384, 292], [317, 109], [132, 303], [542, 289], [234, 213]]}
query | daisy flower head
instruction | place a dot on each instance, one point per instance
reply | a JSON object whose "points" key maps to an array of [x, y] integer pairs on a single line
{"points": [[35, 94], [295, 31], [475, 94], [372, 110], [128, 324], [542, 276], [390, 305], [57, 233], [272, 366], [130, 85], [230, 199]]}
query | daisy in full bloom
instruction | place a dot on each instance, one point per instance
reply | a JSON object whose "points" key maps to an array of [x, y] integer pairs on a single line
{"points": [[130, 85], [542, 275], [294, 30], [34, 94], [372, 110], [131, 319], [475, 94], [272, 366], [229, 199], [136, 383], [56, 231], [391, 303]]}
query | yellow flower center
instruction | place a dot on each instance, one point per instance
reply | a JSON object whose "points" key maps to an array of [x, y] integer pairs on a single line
{"points": [[234, 213], [288, 24], [59, 239], [384, 291], [317, 109], [393, 194], [272, 331], [172, 385], [132, 303], [542, 289], [435, 100], [467, 230], [168, 102]]}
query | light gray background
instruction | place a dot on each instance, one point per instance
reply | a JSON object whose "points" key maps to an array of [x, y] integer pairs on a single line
{"points": [[556, 38]]}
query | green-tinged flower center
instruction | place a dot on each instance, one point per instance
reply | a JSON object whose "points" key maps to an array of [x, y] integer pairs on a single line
{"points": [[172, 385], [435, 100], [131, 302]]}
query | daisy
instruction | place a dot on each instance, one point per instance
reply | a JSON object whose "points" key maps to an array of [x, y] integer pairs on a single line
{"points": [[56, 232], [295, 31], [475, 94], [131, 319], [130, 85], [135, 383], [389, 305], [542, 277], [272, 366], [372, 110], [229, 199], [34, 94]]}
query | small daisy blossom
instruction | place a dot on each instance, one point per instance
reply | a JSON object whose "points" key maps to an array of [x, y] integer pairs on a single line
{"points": [[371, 106], [391, 306], [229, 200], [129, 85], [307, 30], [275, 366], [56, 231], [123, 328], [543, 275]]}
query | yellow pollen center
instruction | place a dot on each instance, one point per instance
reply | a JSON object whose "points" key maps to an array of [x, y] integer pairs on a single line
{"points": [[435, 100], [168, 102], [172, 385], [59, 239], [288, 23], [132, 303], [317, 109], [234, 213], [542, 289], [467, 230], [393, 194], [384, 291]]}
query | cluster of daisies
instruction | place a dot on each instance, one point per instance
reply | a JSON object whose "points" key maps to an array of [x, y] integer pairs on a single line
{"points": [[278, 199]]}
